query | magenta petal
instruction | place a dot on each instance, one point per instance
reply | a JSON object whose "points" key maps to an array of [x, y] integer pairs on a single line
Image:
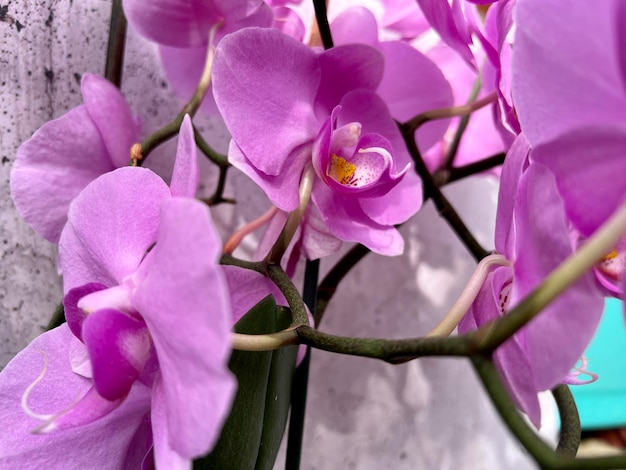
{"points": [[449, 26], [74, 315], [347, 221], [118, 346], [100, 444], [185, 176], [514, 165], [405, 199], [413, 84], [183, 69], [172, 22], [164, 455], [511, 358], [53, 166], [589, 166], [620, 18], [112, 116], [183, 297], [111, 225], [398, 205], [247, 288], [344, 69], [283, 189], [264, 83], [557, 337], [566, 73], [355, 25]]}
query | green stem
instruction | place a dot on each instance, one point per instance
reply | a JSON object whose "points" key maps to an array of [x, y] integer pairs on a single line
{"points": [[267, 342], [546, 457], [171, 129], [115, 47], [492, 335], [441, 202], [279, 277], [443, 113], [258, 266], [501, 399], [445, 176], [217, 158], [569, 439], [218, 195], [460, 130], [293, 221], [394, 351]]}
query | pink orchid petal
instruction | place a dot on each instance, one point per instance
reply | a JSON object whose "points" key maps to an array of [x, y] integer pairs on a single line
{"points": [[164, 455], [267, 110], [101, 444], [347, 221], [183, 69], [355, 25], [247, 288], [172, 22], [112, 116], [346, 68], [111, 225], [119, 347], [581, 83], [405, 199], [74, 315], [620, 18], [289, 22], [185, 177], [316, 239], [512, 170], [53, 167], [191, 332], [283, 189], [511, 358], [589, 165], [444, 19], [557, 337], [413, 84]]}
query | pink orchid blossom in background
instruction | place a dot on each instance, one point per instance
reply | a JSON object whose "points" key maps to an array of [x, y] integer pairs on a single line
{"points": [[532, 231], [181, 28], [67, 153], [576, 121], [422, 86], [149, 308], [287, 107]]}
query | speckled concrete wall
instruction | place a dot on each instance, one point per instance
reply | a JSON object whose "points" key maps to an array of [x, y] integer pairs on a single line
{"points": [[362, 414]]}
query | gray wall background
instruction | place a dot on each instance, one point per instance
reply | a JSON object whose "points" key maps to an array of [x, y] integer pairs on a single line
{"points": [[362, 414]]}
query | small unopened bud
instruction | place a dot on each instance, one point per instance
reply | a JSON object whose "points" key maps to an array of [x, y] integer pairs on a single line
{"points": [[135, 154]]}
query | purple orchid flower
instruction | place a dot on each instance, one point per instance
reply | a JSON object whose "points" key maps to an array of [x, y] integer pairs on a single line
{"points": [[287, 107], [149, 310], [532, 231], [575, 121], [67, 153], [182, 29]]}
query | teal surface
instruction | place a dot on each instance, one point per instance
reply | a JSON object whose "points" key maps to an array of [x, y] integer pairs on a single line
{"points": [[602, 404]]}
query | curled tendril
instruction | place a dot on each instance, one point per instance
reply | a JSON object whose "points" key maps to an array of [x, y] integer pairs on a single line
{"points": [[47, 419], [580, 369]]}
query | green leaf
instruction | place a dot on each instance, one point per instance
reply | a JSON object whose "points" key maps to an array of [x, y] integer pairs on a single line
{"points": [[253, 431], [278, 397]]}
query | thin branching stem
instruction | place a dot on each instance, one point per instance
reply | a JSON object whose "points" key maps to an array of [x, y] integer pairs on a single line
{"points": [[442, 204], [116, 44]]}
